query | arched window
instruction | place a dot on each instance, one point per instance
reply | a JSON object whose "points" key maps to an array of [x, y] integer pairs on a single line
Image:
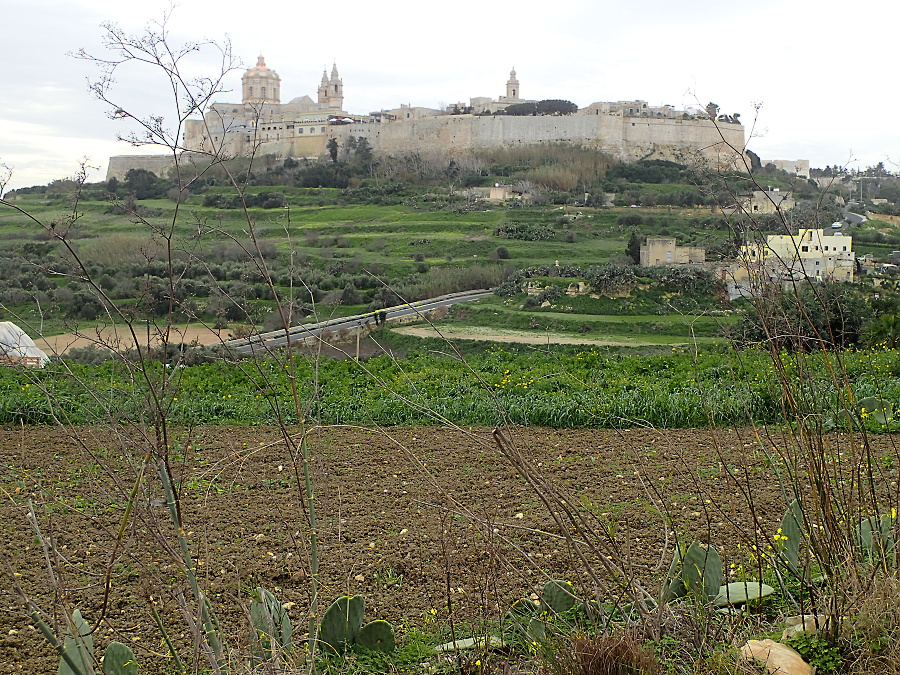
{"points": [[249, 92], [263, 92]]}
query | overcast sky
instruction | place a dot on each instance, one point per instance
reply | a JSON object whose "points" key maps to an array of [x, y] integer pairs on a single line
{"points": [[822, 71]]}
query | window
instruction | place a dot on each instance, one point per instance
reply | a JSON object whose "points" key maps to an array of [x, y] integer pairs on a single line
{"points": [[263, 92], [300, 130], [805, 249], [323, 130]]}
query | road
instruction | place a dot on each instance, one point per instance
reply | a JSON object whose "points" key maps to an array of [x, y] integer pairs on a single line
{"points": [[853, 218], [279, 338]]}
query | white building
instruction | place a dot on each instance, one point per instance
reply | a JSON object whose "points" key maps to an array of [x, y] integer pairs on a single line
{"points": [[811, 253]]}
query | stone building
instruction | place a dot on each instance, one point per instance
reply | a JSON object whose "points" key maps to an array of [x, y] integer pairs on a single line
{"points": [[663, 251], [810, 254], [769, 201], [298, 128], [797, 167]]}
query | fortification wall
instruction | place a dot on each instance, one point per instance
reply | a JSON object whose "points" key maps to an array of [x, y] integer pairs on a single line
{"points": [[120, 164], [626, 138]]}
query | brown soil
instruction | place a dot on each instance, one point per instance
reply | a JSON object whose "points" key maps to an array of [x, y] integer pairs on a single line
{"points": [[525, 337], [58, 344], [413, 518]]}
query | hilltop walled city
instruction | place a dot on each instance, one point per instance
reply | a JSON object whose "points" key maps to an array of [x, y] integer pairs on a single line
{"points": [[302, 127]]}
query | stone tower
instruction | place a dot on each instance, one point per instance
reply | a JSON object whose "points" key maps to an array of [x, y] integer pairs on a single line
{"points": [[323, 88], [512, 85], [331, 90], [261, 84]]}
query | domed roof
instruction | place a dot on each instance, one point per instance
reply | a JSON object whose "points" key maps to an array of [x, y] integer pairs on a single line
{"points": [[261, 70]]}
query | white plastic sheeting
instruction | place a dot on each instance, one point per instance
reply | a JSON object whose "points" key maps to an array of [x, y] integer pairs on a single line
{"points": [[16, 344]]}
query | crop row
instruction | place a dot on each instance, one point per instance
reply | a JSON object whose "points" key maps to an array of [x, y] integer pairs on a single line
{"points": [[586, 388]]}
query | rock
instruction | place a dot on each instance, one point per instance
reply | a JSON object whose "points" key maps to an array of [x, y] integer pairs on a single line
{"points": [[491, 642], [777, 658], [803, 623]]}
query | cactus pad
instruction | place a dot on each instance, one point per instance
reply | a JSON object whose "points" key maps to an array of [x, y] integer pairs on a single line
{"points": [[558, 596], [118, 659], [377, 635], [341, 621]]}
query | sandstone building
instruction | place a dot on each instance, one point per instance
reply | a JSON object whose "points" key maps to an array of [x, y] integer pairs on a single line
{"points": [[785, 258], [664, 251], [262, 124]]}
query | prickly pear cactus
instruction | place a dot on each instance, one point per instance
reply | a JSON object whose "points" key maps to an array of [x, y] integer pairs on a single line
{"points": [[342, 621], [787, 539], [271, 623], [877, 409], [558, 596], [118, 659], [875, 535], [702, 570], [697, 569], [377, 635], [80, 648], [673, 587]]}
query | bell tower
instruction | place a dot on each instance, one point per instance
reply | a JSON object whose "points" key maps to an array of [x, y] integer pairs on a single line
{"points": [[334, 89], [512, 85], [323, 88]]}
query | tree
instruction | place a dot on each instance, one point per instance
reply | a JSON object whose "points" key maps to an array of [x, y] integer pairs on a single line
{"points": [[816, 316], [332, 147], [555, 106], [633, 249], [883, 331], [143, 183], [545, 107]]}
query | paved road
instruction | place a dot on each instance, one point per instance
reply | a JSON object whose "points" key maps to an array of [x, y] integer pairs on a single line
{"points": [[853, 218], [279, 338]]}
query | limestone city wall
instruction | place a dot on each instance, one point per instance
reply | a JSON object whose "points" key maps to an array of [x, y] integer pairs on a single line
{"points": [[626, 138]]}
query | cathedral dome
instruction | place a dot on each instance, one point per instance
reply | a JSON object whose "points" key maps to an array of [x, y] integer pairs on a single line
{"points": [[261, 69], [260, 84]]}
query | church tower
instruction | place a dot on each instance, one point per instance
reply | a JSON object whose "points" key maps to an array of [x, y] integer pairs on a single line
{"points": [[512, 85], [335, 90], [323, 89], [260, 84]]}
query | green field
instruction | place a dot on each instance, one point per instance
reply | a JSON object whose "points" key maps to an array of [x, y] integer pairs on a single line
{"points": [[333, 256]]}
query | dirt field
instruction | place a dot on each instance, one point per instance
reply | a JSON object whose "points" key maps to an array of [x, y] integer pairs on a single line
{"points": [[413, 518], [58, 344], [501, 335]]}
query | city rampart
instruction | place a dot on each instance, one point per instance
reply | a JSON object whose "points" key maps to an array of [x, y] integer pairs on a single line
{"points": [[626, 138]]}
